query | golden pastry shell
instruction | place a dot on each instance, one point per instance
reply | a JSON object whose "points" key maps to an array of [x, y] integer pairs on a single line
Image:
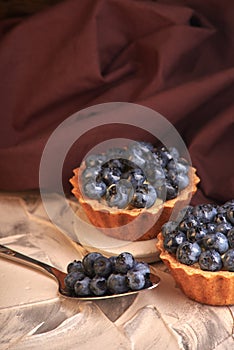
{"points": [[206, 287]]}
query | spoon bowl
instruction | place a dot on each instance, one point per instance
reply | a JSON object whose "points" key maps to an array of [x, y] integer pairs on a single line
{"points": [[59, 276]]}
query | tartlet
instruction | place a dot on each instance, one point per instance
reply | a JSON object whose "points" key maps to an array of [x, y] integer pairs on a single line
{"points": [[212, 286], [126, 227]]}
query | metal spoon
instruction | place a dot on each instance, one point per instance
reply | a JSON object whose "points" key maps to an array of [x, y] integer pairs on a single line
{"points": [[11, 254]]}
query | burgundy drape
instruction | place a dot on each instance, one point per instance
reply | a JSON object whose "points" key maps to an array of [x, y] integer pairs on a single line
{"points": [[176, 57]]}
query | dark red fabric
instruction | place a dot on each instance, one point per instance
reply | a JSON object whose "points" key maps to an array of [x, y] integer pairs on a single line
{"points": [[176, 57]]}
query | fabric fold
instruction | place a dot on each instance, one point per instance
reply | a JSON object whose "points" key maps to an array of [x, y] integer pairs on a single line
{"points": [[175, 57]]}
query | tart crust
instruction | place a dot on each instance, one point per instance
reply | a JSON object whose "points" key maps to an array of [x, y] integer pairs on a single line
{"points": [[152, 218], [206, 287]]}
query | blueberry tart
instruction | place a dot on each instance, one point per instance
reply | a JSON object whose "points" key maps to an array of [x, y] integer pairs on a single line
{"points": [[198, 249], [130, 192]]}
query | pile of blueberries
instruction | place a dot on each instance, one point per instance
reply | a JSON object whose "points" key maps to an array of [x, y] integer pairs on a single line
{"points": [[204, 235], [97, 275], [134, 176]]}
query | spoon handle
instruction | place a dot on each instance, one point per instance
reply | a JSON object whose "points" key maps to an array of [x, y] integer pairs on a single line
{"points": [[27, 260]]}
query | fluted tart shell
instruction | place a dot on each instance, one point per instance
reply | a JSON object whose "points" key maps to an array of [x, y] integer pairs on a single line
{"points": [[206, 287], [102, 216]]}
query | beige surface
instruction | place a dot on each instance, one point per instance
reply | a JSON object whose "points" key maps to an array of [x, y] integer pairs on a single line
{"points": [[31, 313]]}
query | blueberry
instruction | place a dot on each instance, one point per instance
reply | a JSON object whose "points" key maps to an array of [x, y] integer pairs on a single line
{"points": [[140, 152], [188, 253], [136, 280], [90, 174], [115, 163], [171, 191], [161, 190], [144, 196], [113, 197], [109, 175], [217, 241], [211, 227], [138, 155], [119, 195], [210, 260], [182, 165], [153, 172], [171, 166], [228, 205], [196, 233], [72, 277], [146, 146], [168, 227], [81, 287], [172, 177], [147, 151], [205, 212], [224, 227], [117, 283], [230, 237], [75, 266], [88, 262], [230, 214], [137, 160], [162, 161], [164, 155], [136, 176], [156, 160], [188, 209], [141, 267], [188, 222], [174, 152], [221, 209], [102, 266], [220, 217], [117, 152], [228, 260], [173, 240], [148, 283], [151, 196], [93, 189], [124, 262], [185, 213], [98, 285], [127, 165], [92, 160], [182, 181], [139, 199]]}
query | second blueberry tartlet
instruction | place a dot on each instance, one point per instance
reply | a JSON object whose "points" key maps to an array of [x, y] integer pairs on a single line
{"points": [[199, 252]]}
